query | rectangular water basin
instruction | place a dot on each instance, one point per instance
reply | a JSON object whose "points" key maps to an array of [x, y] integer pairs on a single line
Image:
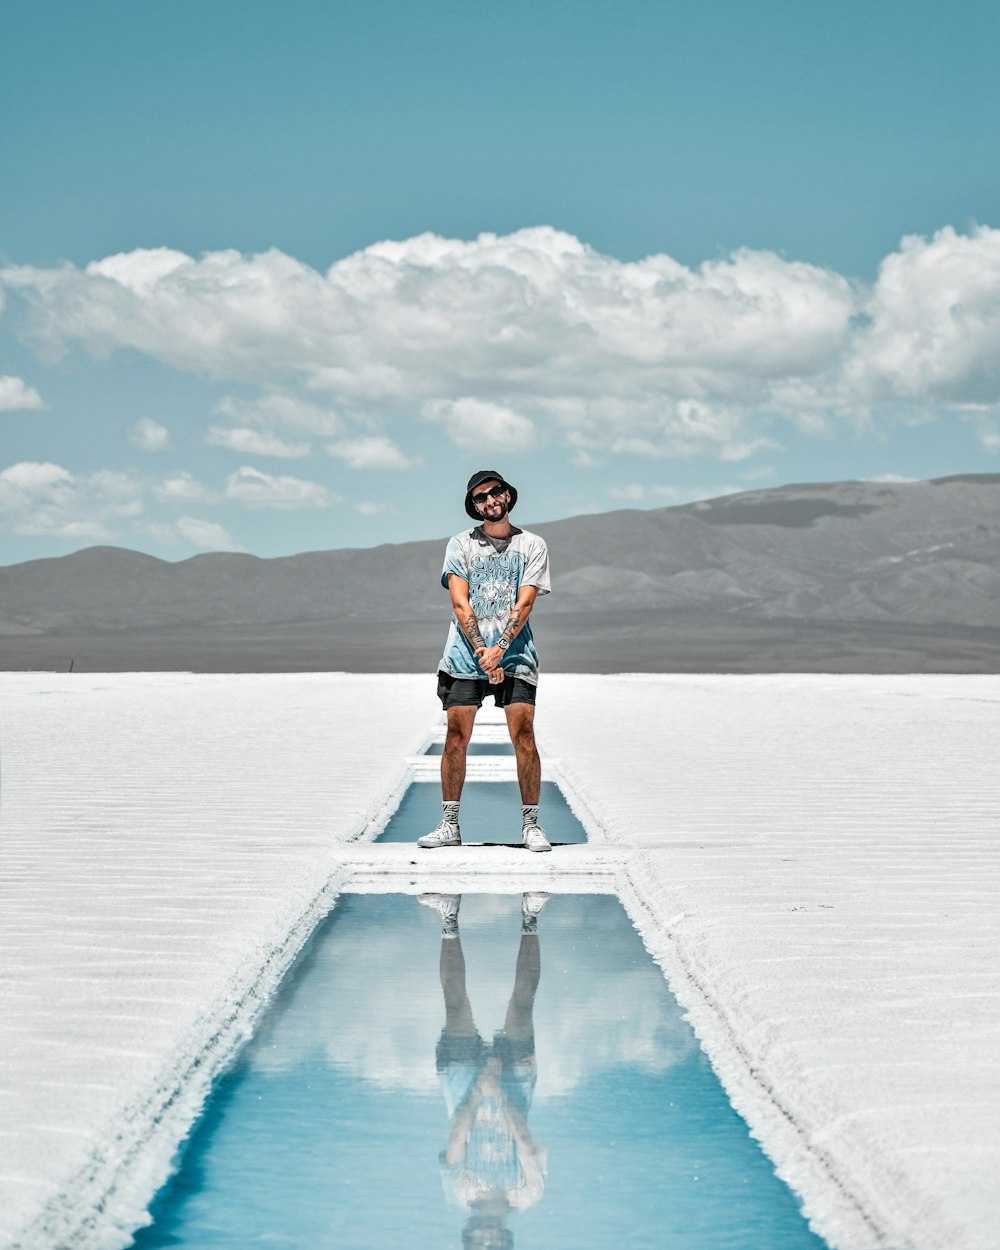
{"points": [[491, 812], [493, 1088]]}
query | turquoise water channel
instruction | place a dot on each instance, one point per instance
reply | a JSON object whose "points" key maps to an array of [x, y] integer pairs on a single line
{"points": [[531, 1091], [491, 812]]}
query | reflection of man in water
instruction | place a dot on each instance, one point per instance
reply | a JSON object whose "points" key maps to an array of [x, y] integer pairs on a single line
{"points": [[490, 1165]]}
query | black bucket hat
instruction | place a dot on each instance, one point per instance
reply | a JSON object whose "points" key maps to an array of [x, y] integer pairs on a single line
{"points": [[477, 479]]}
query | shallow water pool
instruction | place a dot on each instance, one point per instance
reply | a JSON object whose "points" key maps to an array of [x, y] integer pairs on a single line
{"points": [[491, 812], [530, 1090]]}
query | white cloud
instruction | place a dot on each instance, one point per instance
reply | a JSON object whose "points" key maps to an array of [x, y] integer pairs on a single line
{"points": [[633, 492], [479, 425], [206, 534], [584, 459], [743, 451], [32, 476], [373, 452], [373, 507], [16, 395], [149, 435], [193, 532], [139, 271], [279, 410], [118, 493], [46, 499], [759, 474], [934, 333], [512, 341], [250, 442], [254, 489], [525, 322], [182, 488]]}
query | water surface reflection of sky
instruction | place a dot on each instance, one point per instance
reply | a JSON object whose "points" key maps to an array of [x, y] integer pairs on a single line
{"points": [[341, 1125]]}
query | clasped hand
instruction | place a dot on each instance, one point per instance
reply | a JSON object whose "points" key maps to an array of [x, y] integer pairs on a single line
{"points": [[489, 661]]}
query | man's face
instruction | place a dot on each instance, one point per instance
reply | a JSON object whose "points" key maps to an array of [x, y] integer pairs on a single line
{"points": [[491, 500]]}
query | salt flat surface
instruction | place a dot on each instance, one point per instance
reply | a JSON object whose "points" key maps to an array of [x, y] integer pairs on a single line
{"points": [[812, 859], [166, 848], [817, 862]]}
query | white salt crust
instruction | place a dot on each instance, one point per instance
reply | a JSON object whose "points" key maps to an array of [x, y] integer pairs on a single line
{"points": [[814, 862], [811, 859], [166, 851]]}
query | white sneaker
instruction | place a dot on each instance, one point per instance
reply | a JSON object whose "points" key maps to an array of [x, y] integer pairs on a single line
{"points": [[533, 837], [443, 835], [446, 906], [532, 903]]}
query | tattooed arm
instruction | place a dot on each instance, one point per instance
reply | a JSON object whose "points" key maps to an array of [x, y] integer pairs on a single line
{"points": [[459, 589]]}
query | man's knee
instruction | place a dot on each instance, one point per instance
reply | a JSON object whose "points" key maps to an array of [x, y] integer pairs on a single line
{"points": [[522, 734], [459, 731]]}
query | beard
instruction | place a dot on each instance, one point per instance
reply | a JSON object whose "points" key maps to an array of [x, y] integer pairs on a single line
{"points": [[504, 508]]}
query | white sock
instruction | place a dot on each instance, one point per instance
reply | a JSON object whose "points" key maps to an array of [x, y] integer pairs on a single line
{"points": [[529, 815], [450, 809]]}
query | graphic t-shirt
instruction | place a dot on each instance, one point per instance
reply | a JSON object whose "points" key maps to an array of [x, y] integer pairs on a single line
{"points": [[494, 1164], [494, 578]]}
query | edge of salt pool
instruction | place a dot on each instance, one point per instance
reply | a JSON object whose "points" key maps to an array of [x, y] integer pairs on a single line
{"points": [[109, 1199]]}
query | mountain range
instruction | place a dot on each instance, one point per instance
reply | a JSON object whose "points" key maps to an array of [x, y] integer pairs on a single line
{"points": [[844, 576]]}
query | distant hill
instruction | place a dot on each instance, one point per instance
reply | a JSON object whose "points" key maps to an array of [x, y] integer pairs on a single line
{"points": [[835, 576]]}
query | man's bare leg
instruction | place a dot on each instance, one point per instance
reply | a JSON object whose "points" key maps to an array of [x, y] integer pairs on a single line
{"points": [[456, 744], [457, 1008], [521, 725], [448, 833], [519, 1023]]}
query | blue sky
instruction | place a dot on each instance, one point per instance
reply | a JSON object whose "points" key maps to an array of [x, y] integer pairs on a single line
{"points": [[280, 277]]}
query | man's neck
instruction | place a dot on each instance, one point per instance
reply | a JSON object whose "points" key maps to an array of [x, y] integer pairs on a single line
{"points": [[498, 529]]}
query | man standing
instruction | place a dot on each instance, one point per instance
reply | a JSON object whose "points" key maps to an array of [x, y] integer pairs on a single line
{"points": [[494, 573]]}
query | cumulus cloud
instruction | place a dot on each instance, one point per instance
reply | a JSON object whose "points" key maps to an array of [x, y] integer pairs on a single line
{"points": [[512, 330], [250, 442], [478, 425], [17, 395], [374, 452], [934, 322], [255, 489], [511, 341], [41, 498], [149, 435]]}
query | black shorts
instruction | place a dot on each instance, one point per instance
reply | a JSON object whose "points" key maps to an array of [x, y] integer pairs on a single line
{"points": [[470, 692]]}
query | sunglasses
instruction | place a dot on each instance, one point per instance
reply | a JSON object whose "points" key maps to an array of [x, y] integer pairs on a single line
{"points": [[494, 492]]}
